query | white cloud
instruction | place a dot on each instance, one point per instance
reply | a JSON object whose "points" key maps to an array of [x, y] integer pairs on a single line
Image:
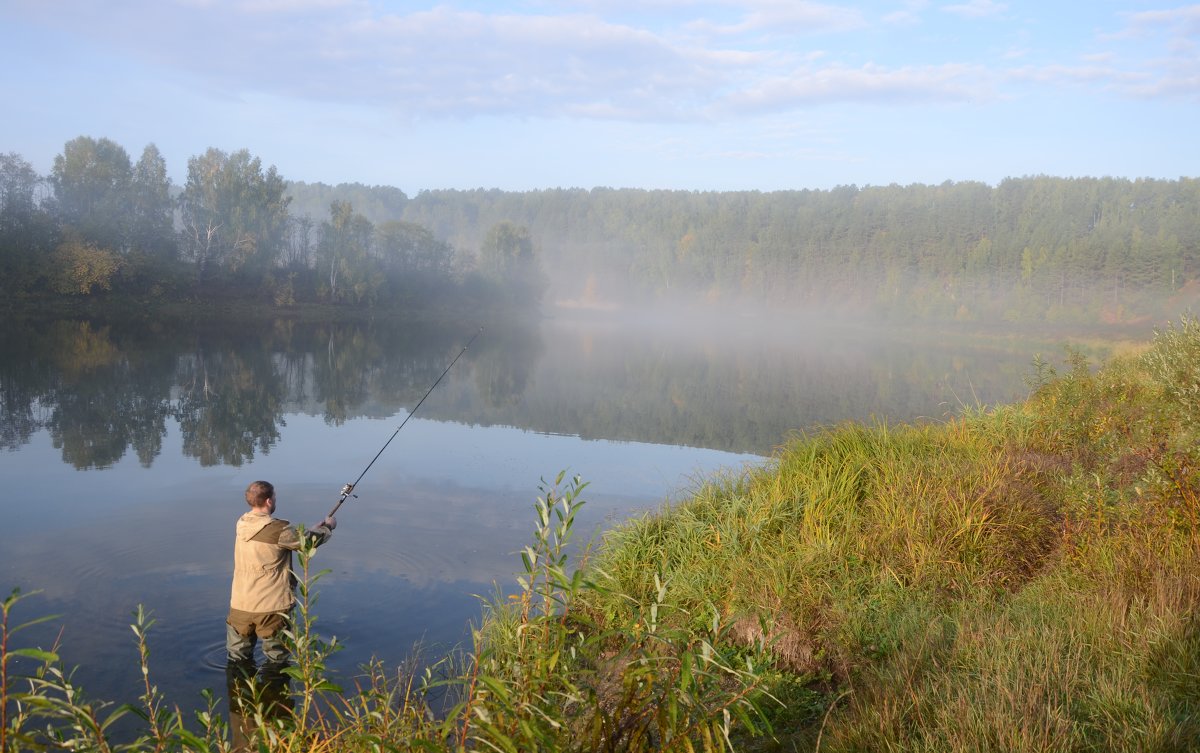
{"points": [[868, 84], [666, 60], [265, 6], [908, 15], [452, 62], [1185, 20], [976, 8], [1174, 86], [1072, 74], [1164, 81], [1173, 37], [783, 17]]}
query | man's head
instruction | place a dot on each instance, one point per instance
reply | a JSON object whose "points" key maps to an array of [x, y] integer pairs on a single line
{"points": [[261, 496]]}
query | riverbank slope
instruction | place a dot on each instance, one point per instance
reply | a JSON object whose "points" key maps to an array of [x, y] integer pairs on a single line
{"points": [[1019, 578]]}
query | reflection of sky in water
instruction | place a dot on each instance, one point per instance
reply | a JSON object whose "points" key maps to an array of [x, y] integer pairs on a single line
{"points": [[311, 453], [491, 457], [438, 519]]}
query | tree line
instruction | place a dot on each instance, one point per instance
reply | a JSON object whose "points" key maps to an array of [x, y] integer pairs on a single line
{"points": [[101, 224], [1028, 249]]}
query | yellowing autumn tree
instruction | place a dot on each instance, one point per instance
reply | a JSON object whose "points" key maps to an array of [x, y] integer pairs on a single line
{"points": [[80, 268]]}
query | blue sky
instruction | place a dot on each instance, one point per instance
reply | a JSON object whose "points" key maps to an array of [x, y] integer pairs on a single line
{"points": [[678, 94]]}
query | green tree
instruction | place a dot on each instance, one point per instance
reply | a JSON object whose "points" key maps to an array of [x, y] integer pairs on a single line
{"points": [[299, 243], [152, 208], [92, 181], [234, 216], [414, 261], [345, 256], [507, 258], [152, 264], [27, 232]]}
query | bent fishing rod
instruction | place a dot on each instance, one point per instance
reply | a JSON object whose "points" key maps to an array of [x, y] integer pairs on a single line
{"points": [[348, 488]]}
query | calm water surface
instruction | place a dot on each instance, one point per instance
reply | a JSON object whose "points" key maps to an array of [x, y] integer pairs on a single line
{"points": [[128, 444]]}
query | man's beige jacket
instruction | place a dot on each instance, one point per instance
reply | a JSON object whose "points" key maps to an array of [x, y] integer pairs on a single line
{"points": [[262, 562]]}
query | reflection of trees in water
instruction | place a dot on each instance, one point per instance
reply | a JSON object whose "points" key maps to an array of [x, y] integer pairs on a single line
{"points": [[17, 423], [108, 396], [100, 389], [740, 394], [23, 380], [506, 359], [229, 404], [96, 390], [342, 374]]}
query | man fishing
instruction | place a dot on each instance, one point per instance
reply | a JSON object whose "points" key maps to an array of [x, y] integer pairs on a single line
{"points": [[263, 583]]}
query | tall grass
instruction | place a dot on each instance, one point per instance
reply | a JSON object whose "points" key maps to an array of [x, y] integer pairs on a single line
{"points": [[1019, 578]]}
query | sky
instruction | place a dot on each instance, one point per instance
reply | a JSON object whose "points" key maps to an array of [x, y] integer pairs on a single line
{"points": [[658, 94]]}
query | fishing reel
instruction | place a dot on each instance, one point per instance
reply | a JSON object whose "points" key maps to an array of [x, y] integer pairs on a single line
{"points": [[346, 491]]}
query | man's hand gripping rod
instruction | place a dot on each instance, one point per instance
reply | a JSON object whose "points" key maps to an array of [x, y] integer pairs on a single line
{"points": [[349, 488]]}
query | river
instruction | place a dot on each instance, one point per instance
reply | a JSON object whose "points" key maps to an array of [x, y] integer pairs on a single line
{"points": [[128, 443]]}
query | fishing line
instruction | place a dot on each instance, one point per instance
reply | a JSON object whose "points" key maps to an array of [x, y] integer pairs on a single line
{"points": [[348, 488]]}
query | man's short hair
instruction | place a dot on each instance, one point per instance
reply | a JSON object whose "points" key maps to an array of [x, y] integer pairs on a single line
{"points": [[258, 493]]}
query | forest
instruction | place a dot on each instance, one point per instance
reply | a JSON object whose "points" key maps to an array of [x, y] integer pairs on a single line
{"points": [[1030, 249], [101, 225]]}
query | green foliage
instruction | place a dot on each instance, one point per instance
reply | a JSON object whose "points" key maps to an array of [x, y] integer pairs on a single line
{"points": [[92, 185], [152, 207], [1174, 364], [507, 258], [1030, 249], [27, 230], [42, 708], [546, 676], [379, 204], [344, 254], [411, 253], [234, 215]]}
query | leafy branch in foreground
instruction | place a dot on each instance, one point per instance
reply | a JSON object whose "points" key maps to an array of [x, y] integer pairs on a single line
{"points": [[547, 675], [53, 712]]}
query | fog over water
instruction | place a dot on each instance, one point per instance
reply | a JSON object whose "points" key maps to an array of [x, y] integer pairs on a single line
{"points": [[128, 444]]}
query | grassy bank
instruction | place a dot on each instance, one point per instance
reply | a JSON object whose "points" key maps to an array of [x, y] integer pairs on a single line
{"points": [[1019, 578], [1023, 578]]}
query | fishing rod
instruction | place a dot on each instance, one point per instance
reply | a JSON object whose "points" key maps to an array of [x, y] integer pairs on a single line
{"points": [[348, 488]]}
